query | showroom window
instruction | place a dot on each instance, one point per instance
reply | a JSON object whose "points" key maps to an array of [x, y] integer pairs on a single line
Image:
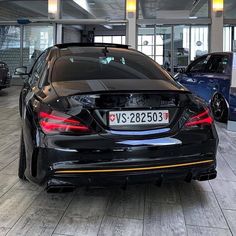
{"points": [[181, 47], [146, 41], [199, 41], [36, 40], [227, 38], [117, 39], [10, 46], [175, 51]]}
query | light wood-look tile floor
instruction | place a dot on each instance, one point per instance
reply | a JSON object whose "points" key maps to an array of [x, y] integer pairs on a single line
{"points": [[199, 208]]}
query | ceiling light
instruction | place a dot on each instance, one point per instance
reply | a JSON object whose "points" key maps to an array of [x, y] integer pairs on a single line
{"points": [[52, 6], [217, 5], [131, 5]]}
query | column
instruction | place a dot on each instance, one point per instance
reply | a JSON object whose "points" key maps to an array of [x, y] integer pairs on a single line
{"points": [[216, 31], [131, 27], [54, 13]]}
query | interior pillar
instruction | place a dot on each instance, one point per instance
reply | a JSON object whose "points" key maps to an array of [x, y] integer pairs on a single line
{"points": [[216, 30], [54, 13], [131, 27]]}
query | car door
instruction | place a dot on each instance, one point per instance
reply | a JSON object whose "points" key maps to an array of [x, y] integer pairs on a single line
{"points": [[193, 74], [217, 72]]}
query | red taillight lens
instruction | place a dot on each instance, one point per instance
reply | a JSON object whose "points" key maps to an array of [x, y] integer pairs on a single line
{"points": [[203, 118], [60, 123]]}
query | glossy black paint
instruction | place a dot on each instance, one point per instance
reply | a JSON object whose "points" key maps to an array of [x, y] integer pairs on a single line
{"points": [[106, 148], [4, 76]]}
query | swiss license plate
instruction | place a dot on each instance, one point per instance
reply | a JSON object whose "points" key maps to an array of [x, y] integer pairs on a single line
{"points": [[149, 117]]}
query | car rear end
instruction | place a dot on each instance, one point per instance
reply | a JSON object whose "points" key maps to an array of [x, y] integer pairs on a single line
{"points": [[99, 132]]}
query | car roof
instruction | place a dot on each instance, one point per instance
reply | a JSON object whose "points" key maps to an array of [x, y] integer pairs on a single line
{"points": [[219, 53]]}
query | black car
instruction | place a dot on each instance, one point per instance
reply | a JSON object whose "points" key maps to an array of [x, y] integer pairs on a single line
{"points": [[4, 76], [98, 114]]}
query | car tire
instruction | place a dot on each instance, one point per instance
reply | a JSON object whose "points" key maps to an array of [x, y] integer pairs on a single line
{"points": [[219, 108], [22, 159]]}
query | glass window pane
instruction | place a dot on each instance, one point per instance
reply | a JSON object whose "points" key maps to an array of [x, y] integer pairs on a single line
{"points": [[10, 46], [181, 47], [199, 41], [218, 64], [163, 36], [119, 65], [148, 50], [106, 39], [140, 48], [123, 39], [116, 39], [98, 39], [148, 40], [159, 60], [36, 40], [227, 38], [159, 50], [159, 39]]}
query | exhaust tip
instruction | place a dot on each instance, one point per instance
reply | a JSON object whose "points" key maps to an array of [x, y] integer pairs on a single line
{"points": [[207, 176]]}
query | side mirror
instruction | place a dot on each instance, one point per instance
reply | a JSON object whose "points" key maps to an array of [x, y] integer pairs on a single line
{"points": [[21, 71]]}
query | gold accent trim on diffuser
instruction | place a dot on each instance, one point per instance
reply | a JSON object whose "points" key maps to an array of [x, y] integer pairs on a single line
{"points": [[132, 169]]}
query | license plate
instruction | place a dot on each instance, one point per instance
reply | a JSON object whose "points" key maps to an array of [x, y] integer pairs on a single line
{"points": [[117, 118]]}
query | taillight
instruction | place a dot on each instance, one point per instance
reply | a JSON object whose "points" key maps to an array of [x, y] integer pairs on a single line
{"points": [[203, 118], [57, 122]]}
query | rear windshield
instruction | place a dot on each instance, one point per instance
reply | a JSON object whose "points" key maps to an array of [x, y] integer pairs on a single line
{"points": [[105, 64]]}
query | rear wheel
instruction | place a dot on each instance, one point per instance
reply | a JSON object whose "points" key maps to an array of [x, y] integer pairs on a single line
{"points": [[219, 108], [22, 159]]}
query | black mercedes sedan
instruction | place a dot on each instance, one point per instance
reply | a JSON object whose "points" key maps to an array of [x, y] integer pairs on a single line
{"points": [[99, 114], [4, 76]]}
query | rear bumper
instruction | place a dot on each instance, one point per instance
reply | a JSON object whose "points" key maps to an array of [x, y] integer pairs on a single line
{"points": [[201, 171], [94, 160], [148, 164]]}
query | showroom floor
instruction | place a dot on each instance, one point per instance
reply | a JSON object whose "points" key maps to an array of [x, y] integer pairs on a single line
{"points": [[200, 208]]}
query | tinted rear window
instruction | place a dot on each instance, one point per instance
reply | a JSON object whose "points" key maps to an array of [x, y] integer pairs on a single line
{"points": [[101, 64]]}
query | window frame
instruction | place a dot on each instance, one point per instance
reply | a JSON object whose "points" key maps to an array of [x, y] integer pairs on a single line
{"points": [[40, 62], [194, 63], [212, 58]]}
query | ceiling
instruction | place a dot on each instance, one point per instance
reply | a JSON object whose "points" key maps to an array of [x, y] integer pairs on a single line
{"points": [[152, 9], [112, 9]]}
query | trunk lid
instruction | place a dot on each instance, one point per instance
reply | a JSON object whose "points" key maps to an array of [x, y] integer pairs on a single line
{"points": [[94, 100]]}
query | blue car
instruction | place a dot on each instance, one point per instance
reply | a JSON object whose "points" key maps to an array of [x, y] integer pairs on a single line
{"points": [[209, 77]]}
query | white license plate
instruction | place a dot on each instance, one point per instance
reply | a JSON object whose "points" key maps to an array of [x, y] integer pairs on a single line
{"points": [[138, 117]]}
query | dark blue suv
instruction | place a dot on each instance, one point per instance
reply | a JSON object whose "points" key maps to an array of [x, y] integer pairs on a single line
{"points": [[209, 77]]}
